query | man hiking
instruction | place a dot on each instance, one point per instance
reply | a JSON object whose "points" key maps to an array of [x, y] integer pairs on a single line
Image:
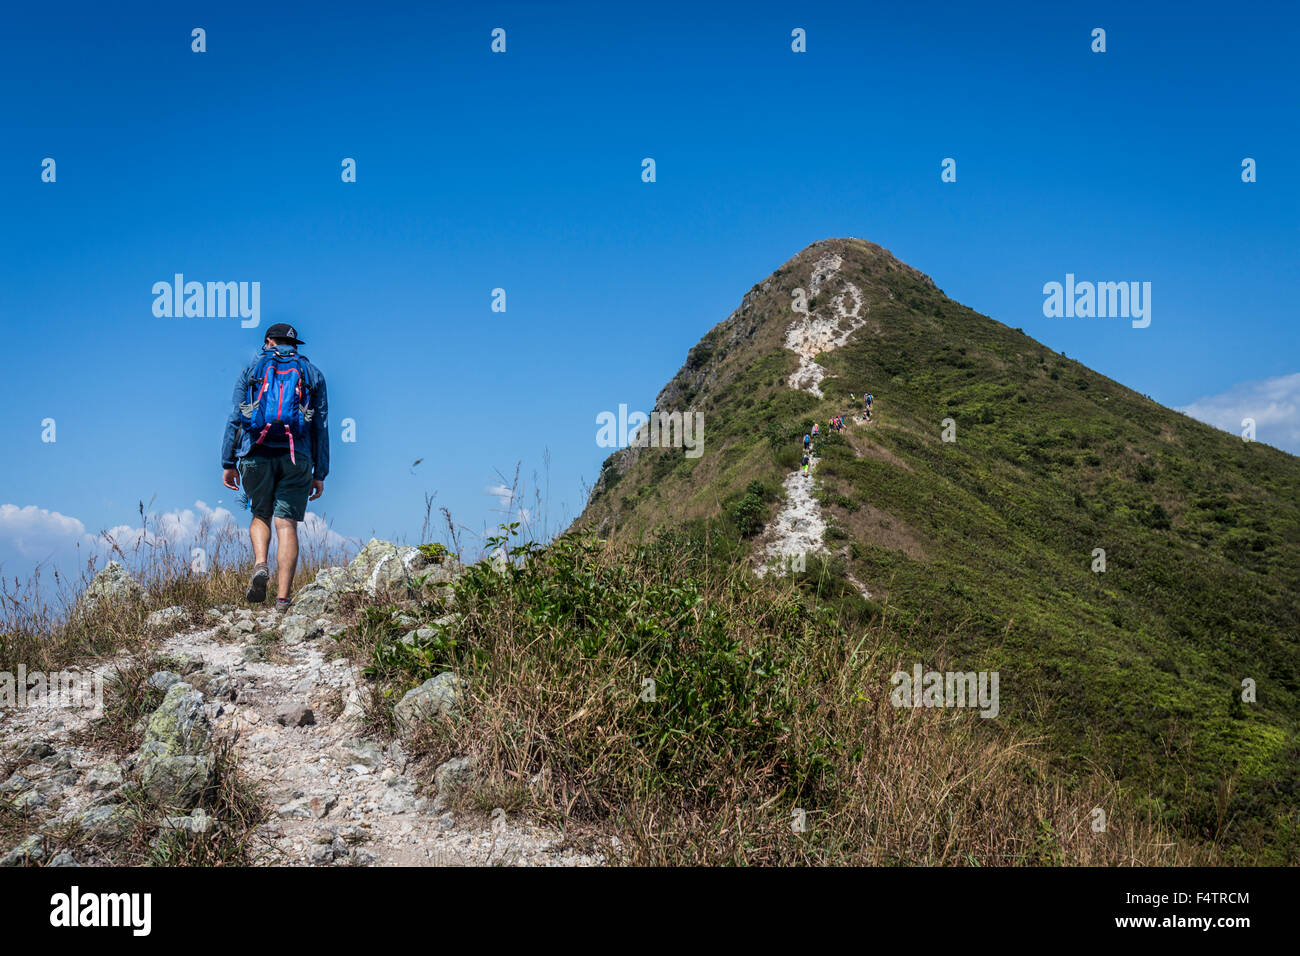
{"points": [[804, 463], [277, 443]]}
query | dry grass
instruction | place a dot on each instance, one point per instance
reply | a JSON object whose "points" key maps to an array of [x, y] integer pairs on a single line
{"points": [[765, 706]]}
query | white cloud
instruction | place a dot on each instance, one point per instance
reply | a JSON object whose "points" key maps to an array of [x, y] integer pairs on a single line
{"points": [[30, 534], [502, 494], [1274, 404], [35, 533], [506, 497]]}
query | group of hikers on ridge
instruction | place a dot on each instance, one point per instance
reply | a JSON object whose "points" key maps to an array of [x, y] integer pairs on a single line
{"points": [[838, 424]]}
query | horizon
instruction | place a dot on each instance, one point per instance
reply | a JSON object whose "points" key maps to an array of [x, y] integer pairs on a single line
{"points": [[479, 171]]}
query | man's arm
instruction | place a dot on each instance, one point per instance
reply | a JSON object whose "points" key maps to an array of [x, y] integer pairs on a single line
{"points": [[230, 441], [320, 436]]}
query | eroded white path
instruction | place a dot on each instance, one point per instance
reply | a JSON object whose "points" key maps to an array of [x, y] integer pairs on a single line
{"points": [[821, 330], [799, 528]]}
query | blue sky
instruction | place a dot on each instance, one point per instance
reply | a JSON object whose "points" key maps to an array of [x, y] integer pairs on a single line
{"points": [[522, 171]]}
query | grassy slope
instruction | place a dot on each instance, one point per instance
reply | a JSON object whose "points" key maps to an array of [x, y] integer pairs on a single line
{"points": [[983, 547]]}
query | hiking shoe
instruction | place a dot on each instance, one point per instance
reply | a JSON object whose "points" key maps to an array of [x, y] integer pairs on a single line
{"points": [[282, 605], [257, 586]]}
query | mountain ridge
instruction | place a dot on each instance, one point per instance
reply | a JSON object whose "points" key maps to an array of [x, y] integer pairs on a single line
{"points": [[989, 543]]}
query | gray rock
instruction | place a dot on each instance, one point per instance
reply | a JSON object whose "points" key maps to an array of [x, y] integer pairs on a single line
{"points": [[200, 821], [38, 750], [354, 751], [166, 617], [63, 859], [61, 760], [175, 766], [111, 586], [106, 776], [112, 821], [322, 855], [254, 653], [295, 715], [437, 695], [399, 796], [298, 627], [215, 682], [15, 784], [326, 594], [29, 800], [163, 680], [179, 726], [245, 626], [315, 806], [454, 774], [179, 781], [31, 850], [123, 794], [419, 635]]}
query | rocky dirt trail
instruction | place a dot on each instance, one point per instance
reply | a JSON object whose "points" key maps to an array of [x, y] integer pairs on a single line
{"points": [[339, 797], [291, 708], [799, 528]]}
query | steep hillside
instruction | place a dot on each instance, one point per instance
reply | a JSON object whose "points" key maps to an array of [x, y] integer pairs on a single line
{"points": [[981, 550]]}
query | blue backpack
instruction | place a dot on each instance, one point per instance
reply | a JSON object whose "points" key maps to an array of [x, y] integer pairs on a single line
{"points": [[279, 402]]}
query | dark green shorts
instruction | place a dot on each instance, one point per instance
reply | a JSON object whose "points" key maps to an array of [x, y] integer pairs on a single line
{"points": [[276, 486]]}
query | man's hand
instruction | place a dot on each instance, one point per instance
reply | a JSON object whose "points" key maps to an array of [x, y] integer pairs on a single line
{"points": [[230, 478], [317, 489]]}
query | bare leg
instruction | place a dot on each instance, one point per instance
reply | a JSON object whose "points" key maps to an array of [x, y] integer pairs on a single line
{"points": [[286, 555], [259, 533]]}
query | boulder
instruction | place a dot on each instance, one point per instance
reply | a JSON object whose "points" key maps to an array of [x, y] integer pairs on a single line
{"points": [[325, 594], [175, 765], [179, 726], [383, 566], [178, 781], [113, 585], [437, 695]]}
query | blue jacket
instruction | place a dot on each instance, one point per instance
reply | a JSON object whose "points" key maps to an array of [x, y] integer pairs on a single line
{"points": [[316, 446]]}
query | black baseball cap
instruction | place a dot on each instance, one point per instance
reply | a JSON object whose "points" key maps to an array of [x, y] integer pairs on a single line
{"points": [[282, 330]]}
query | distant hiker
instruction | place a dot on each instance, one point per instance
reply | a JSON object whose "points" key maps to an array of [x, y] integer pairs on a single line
{"points": [[276, 441], [815, 428], [807, 441], [870, 399], [805, 463]]}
